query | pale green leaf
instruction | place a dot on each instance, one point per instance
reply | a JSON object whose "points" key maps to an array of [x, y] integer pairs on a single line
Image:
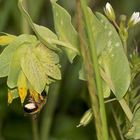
{"points": [[65, 29], [46, 35], [99, 32], [113, 61], [49, 60], [7, 54], [34, 71], [14, 67], [48, 38]]}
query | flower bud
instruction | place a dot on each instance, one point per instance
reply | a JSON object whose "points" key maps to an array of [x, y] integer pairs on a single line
{"points": [[87, 117], [134, 19], [109, 11]]}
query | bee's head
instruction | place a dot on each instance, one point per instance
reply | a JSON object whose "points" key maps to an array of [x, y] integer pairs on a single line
{"points": [[30, 107]]}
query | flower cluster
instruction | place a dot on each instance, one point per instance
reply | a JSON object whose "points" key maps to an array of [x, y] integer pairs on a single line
{"points": [[109, 11]]}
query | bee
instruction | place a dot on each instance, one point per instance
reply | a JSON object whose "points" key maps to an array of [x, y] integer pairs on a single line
{"points": [[33, 107]]}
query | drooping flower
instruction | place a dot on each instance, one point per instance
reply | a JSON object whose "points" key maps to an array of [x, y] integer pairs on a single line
{"points": [[134, 19], [109, 11]]}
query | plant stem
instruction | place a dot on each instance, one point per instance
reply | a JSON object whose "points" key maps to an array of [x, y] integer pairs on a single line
{"points": [[126, 109], [125, 46], [110, 100], [49, 112], [35, 129], [89, 74], [24, 24], [112, 134], [116, 25], [116, 121], [92, 47]]}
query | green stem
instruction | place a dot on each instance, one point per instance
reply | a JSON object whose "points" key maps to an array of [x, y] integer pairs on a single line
{"points": [[116, 25], [117, 124], [110, 100], [113, 137], [96, 70], [25, 26], [126, 109], [89, 73], [35, 129], [49, 112], [125, 46]]}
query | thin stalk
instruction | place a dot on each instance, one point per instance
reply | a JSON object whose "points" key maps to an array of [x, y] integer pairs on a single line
{"points": [[126, 109], [110, 100], [92, 47], [89, 74], [49, 112], [24, 24], [35, 129], [113, 137], [50, 108], [125, 46], [116, 25], [116, 121]]}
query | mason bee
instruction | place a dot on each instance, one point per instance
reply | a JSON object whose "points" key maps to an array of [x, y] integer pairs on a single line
{"points": [[33, 107]]}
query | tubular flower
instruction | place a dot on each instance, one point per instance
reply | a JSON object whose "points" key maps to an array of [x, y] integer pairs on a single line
{"points": [[135, 18], [109, 11]]}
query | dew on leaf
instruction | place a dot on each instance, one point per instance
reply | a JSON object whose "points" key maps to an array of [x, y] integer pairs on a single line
{"points": [[109, 43], [112, 55], [92, 29], [102, 21], [117, 44], [61, 22], [105, 26], [110, 33], [56, 14], [100, 62]]}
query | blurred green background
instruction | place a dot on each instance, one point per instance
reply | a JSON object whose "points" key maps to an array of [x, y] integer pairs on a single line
{"points": [[68, 99]]}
